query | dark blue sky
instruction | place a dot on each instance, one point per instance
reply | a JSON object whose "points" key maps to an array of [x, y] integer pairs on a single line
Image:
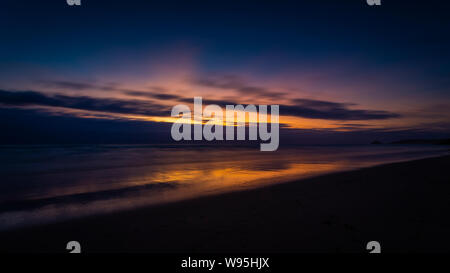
{"points": [[52, 31], [393, 58]]}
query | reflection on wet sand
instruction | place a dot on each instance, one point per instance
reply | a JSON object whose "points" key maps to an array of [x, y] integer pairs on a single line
{"points": [[55, 183]]}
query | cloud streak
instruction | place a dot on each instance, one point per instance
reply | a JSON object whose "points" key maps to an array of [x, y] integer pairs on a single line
{"points": [[34, 98], [318, 109], [298, 107], [304, 108], [155, 92]]}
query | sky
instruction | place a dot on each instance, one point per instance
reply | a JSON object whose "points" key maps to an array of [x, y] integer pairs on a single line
{"points": [[110, 71]]}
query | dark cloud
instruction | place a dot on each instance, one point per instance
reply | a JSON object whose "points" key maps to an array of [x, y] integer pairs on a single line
{"points": [[221, 103], [75, 85], [320, 104], [160, 96], [155, 92], [34, 98], [31, 126], [318, 109], [354, 125], [28, 126], [305, 108]]}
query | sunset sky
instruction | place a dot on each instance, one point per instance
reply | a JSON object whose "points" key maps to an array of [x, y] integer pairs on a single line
{"points": [[336, 68]]}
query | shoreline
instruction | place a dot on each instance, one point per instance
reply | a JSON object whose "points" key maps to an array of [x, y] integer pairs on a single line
{"points": [[402, 205]]}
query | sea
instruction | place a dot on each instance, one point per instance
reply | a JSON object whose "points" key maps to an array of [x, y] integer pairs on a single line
{"points": [[41, 184]]}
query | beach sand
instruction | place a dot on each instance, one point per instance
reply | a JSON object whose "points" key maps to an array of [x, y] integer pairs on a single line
{"points": [[404, 206]]}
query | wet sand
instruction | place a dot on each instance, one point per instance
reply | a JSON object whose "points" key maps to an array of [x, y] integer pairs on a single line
{"points": [[405, 206]]}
